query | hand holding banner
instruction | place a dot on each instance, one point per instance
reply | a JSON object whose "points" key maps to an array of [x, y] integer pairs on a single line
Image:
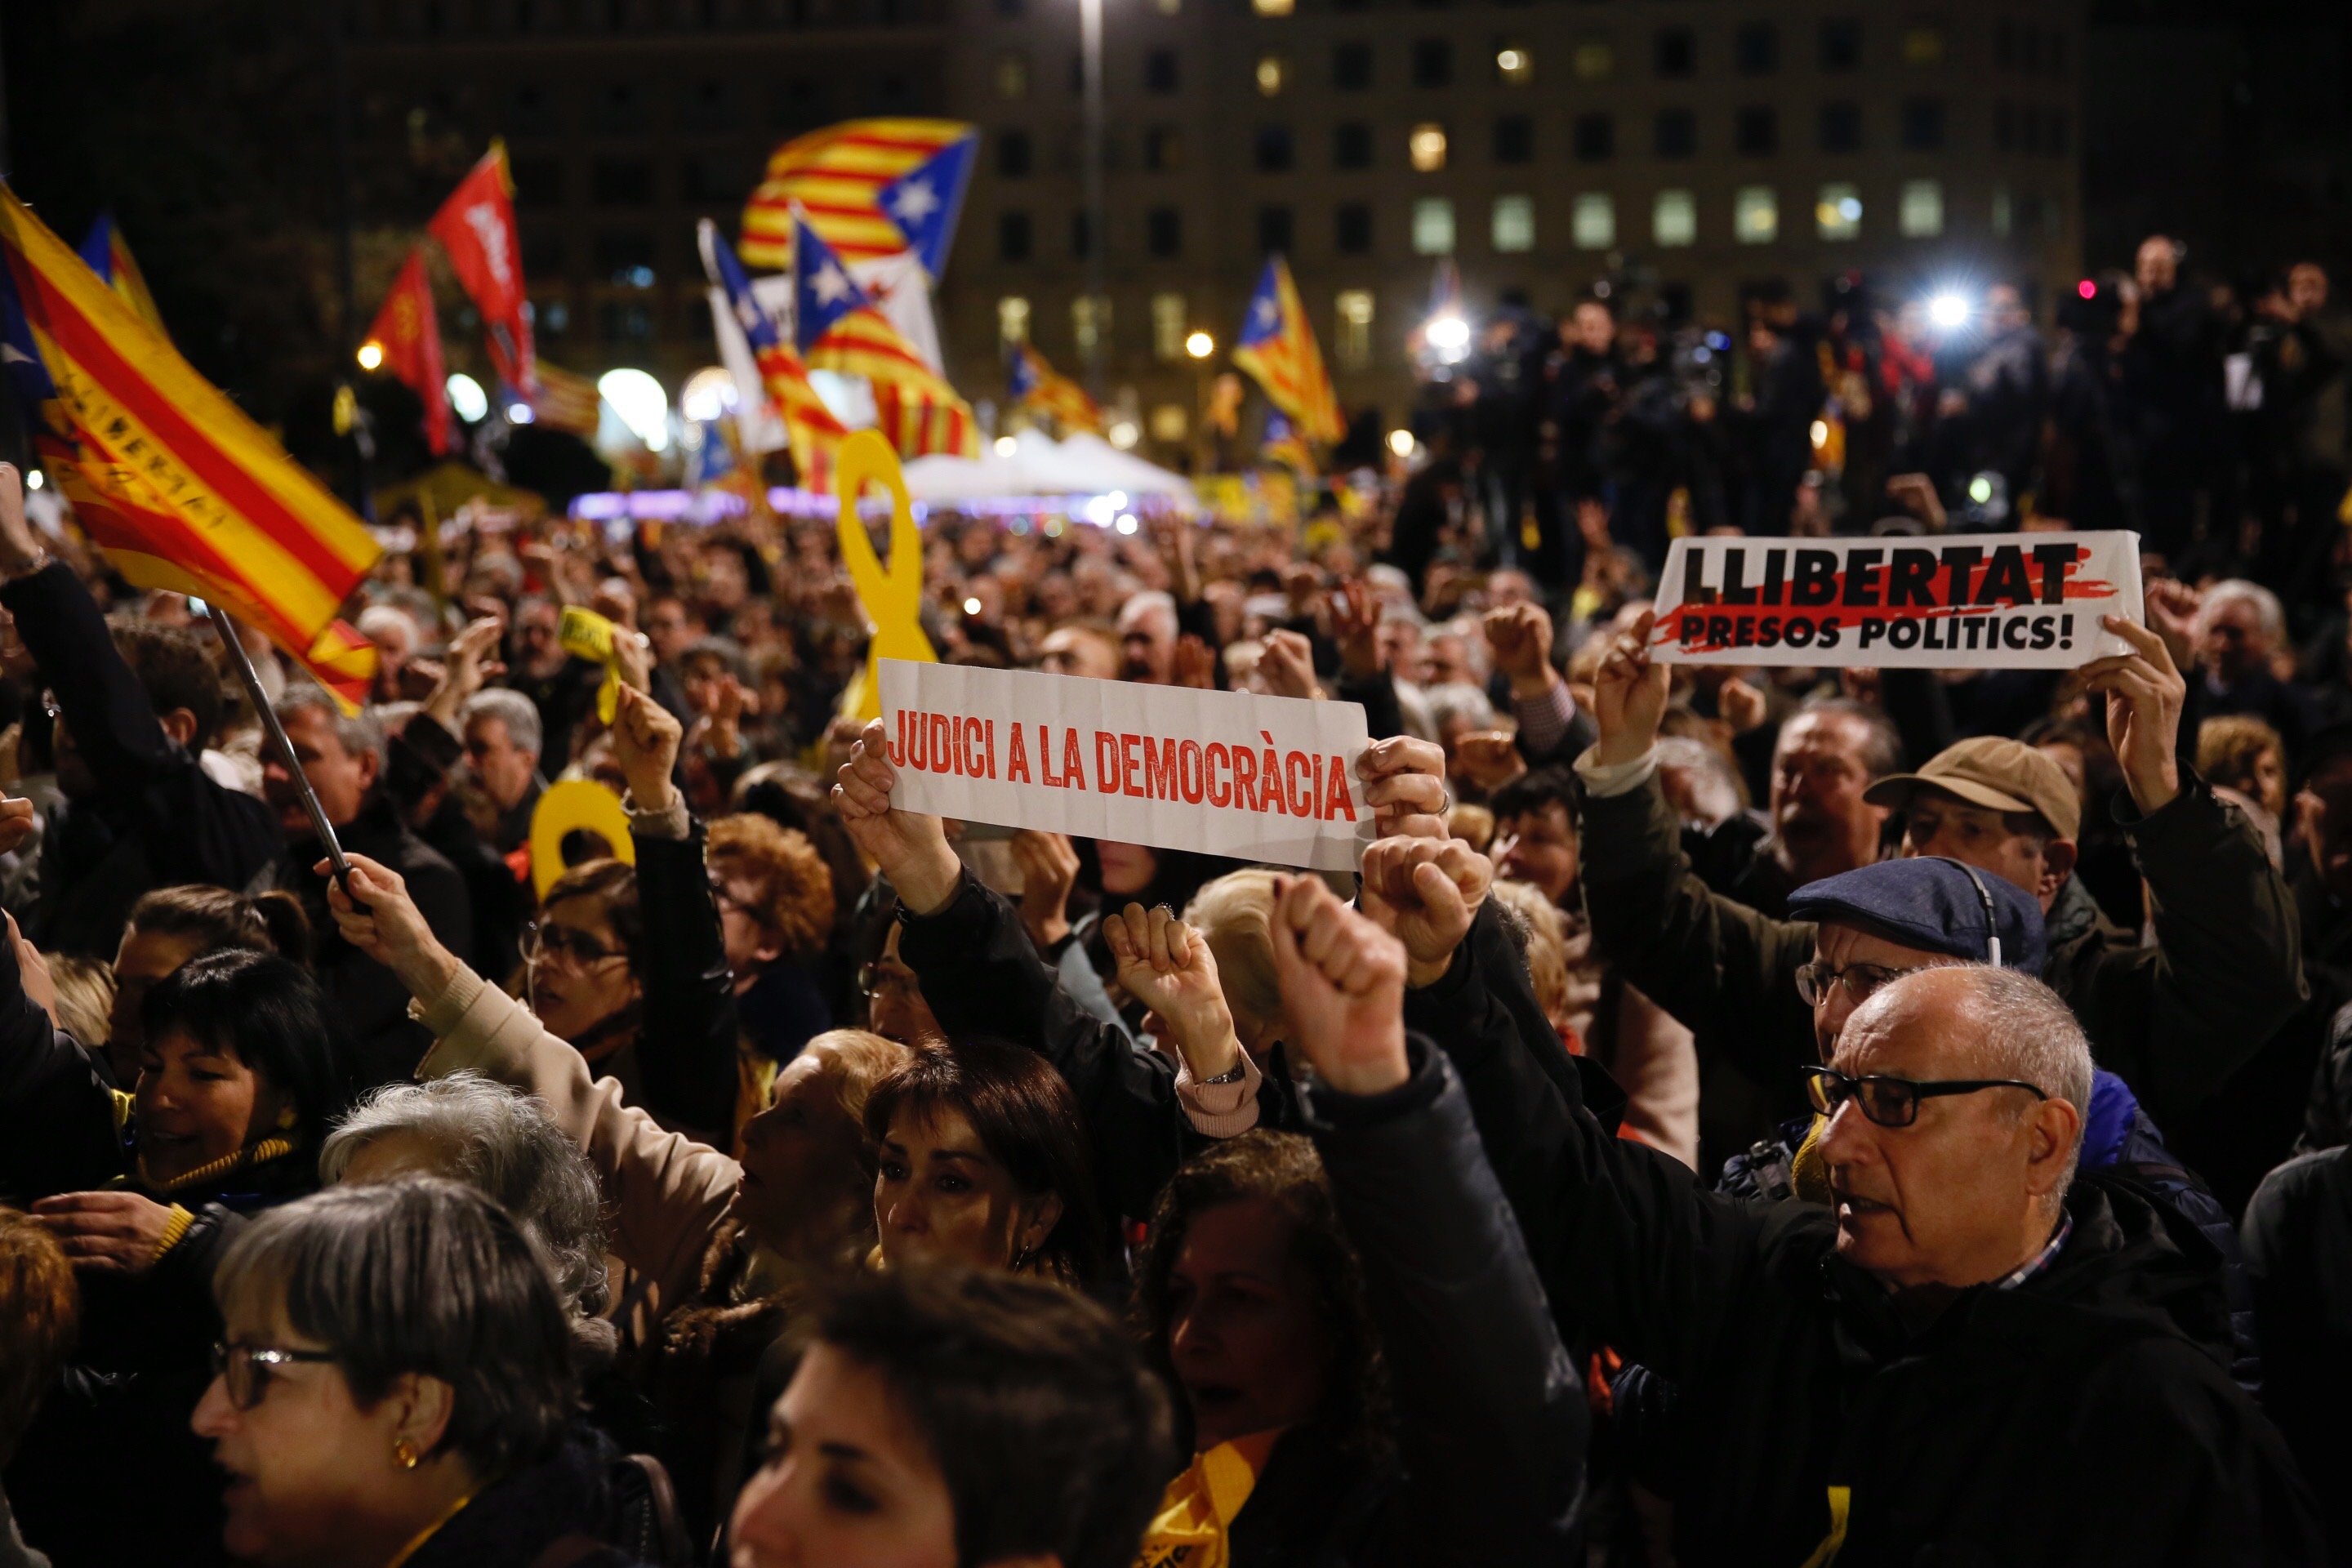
{"points": [[1259, 778], [1997, 600]]}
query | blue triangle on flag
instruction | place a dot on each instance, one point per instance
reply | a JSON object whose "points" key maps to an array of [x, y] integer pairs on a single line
{"points": [[925, 202], [822, 290]]}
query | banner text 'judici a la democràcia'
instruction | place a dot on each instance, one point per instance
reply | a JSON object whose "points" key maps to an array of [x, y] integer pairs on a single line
{"points": [[1995, 601], [1224, 773]]}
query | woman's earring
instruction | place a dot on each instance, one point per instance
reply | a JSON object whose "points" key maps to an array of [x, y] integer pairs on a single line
{"points": [[1020, 1259], [404, 1453]]}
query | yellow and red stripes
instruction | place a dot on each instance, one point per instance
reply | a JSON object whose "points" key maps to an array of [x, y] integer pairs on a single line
{"points": [[836, 175]]}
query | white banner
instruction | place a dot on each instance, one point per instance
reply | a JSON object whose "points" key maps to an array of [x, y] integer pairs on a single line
{"points": [[1988, 601], [1257, 778]]}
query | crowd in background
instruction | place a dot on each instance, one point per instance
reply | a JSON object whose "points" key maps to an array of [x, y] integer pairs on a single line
{"points": [[1765, 1115]]}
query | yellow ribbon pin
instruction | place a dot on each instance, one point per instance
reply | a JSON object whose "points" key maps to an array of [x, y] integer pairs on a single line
{"points": [[893, 597]]}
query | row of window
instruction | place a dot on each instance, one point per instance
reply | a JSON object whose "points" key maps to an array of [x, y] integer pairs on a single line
{"points": [[1837, 216], [1172, 324]]}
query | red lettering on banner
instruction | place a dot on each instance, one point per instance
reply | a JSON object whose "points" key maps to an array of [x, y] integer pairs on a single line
{"points": [[1074, 766], [1131, 766], [1045, 761], [1298, 778], [937, 741], [1217, 756], [1106, 761], [1337, 801], [1158, 770], [988, 740], [1245, 778], [1016, 764], [1189, 781]]}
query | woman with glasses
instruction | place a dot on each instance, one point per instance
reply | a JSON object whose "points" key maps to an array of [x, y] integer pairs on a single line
{"points": [[394, 1388], [237, 1084]]}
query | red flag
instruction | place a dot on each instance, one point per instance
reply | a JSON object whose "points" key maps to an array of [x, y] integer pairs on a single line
{"points": [[477, 226], [408, 335]]}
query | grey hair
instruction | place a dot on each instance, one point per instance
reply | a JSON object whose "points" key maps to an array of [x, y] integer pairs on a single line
{"points": [[503, 1143], [519, 713], [1137, 603], [1882, 744], [1715, 788], [376, 616], [361, 733], [2268, 614], [1458, 700], [421, 1276]]}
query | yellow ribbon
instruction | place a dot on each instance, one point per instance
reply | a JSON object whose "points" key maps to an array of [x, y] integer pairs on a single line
{"points": [[564, 805], [1841, 1511], [1197, 1510], [586, 635], [893, 597]]}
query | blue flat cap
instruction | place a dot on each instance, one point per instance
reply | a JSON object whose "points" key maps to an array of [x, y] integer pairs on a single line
{"points": [[1933, 904]]}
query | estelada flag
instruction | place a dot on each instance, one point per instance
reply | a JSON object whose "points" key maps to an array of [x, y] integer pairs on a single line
{"points": [[109, 255], [408, 334], [1037, 385], [178, 486], [1276, 346], [477, 226], [843, 175], [838, 329], [566, 401], [812, 429]]}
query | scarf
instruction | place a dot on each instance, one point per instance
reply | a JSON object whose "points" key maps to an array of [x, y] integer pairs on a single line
{"points": [[1198, 1507]]}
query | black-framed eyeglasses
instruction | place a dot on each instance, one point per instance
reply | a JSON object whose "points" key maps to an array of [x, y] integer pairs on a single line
{"points": [[247, 1369], [740, 906], [873, 979], [542, 939], [1894, 1101], [1860, 979]]}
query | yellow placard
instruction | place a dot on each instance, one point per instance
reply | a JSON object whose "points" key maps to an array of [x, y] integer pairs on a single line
{"points": [[893, 597], [563, 807], [584, 634]]}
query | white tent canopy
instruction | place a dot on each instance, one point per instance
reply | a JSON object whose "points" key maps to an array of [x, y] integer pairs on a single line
{"points": [[1040, 468]]}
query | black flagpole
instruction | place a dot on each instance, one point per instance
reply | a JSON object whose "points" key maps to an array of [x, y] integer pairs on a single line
{"points": [[251, 680]]}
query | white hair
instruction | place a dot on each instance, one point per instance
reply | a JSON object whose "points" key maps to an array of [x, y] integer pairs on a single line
{"points": [[2268, 615], [1451, 700], [378, 619], [1140, 604], [1714, 787], [513, 709]]}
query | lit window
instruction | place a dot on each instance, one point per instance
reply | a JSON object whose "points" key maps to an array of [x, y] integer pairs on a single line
{"points": [[1515, 224], [1170, 7], [1514, 64], [1428, 148], [1432, 226], [1090, 322], [1168, 326], [1838, 213], [1013, 75], [1271, 7], [1012, 321], [1923, 210], [1674, 221], [1352, 343], [1595, 59], [1170, 422], [1594, 226], [1755, 215], [1922, 46], [1272, 74]]}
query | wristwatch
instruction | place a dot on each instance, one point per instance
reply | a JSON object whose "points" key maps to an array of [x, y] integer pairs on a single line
{"points": [[1240, 1072]]}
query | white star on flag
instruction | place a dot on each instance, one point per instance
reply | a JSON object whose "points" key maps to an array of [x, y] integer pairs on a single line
{"points": [[1267, 313], [747, 312], [915, 202], [831, 286]]}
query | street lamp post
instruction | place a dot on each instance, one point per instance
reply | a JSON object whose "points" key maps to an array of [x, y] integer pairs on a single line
{"points": [[1090, 47]]}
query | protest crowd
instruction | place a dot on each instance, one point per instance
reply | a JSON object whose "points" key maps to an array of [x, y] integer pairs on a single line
{"points": [[1730, 1113]]}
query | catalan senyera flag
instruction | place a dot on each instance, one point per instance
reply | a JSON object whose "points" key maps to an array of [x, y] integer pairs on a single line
{"points": [[841, 175], [1038, 386], [815, 435], [838, 329], [477, 226], [1284, 447], [566, 401], [181, 490], [407, 333], [1276, 346], [109, 255]]}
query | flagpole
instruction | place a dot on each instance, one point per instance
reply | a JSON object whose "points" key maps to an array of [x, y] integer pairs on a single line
{"points": [[247, 677], [1090, 34]]}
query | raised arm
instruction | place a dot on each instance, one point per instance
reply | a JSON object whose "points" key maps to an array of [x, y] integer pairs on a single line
{"points": [[59, 1131], [667, 1191], [1492, 1412]]}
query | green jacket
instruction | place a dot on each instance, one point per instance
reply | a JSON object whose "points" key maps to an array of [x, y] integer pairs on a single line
{"points": [[2173, 1021]]}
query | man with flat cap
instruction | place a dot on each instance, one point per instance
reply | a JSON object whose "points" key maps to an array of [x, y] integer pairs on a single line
{"points": [[2173, 1020]]}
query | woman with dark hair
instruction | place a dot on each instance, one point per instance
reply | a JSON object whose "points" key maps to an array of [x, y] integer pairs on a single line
{"points": [[237, 1085], [984, 1165], [394, 1386], [1369, 1373], [172, 925], [952, 1419]]}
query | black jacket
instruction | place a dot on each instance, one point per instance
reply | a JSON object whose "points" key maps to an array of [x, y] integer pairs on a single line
{"points": [[366, 1003], [1489, 1411], [157, 819], [684, 1069], [2083, 1416], [583, 1506], [2298, 1238]]}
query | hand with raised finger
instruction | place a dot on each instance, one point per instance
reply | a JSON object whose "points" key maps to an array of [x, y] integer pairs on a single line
{"points": [[1489, 758], [1342, 983], [645, 741], [1742, 706], [1404, 786], [1520, 635], [1167, 965], [2172, 607], [1425, 892], [1356, 627], [1288, 666], [113, 1232], [1049, 870], [1629, 696], [2145, 694], [908, 846], [379, 918]]}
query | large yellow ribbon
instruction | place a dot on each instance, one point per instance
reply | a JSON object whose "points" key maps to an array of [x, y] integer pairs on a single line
{"points": [[893, 597], [1197, 1510], [568, 804]]}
